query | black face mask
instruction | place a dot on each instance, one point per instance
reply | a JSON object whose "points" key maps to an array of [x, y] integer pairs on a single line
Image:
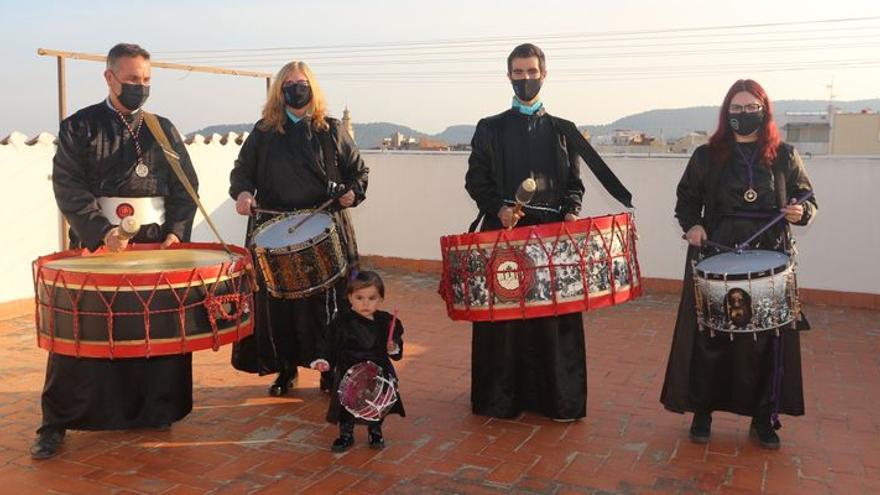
{"points": [[745, 123], [527, 89], [133, 96], [297, 95]]}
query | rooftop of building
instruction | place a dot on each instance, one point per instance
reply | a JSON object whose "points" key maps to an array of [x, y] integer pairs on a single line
{"points": [[239, 440]]}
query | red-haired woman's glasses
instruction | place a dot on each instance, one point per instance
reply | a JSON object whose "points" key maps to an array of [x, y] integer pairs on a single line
{"points": [[750, 108]]}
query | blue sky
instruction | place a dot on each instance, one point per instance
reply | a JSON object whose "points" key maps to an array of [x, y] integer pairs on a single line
{"points": [[432, 96]]}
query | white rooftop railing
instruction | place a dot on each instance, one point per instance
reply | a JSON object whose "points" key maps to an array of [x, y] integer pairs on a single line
{"points": [[414, 198]]}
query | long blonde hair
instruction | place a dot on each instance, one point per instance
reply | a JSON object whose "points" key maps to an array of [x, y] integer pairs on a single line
{"points": [[274, 114]]}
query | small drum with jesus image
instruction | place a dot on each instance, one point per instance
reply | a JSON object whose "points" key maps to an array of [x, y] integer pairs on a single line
{"points": [[746, 292]]}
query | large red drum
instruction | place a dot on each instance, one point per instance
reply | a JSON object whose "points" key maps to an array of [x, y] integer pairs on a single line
{"points": [[144, 301], [541, 270]]}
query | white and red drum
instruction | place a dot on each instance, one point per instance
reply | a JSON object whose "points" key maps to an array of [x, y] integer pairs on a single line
{"points": [[541, 270], [747, 292], [143, 301]]}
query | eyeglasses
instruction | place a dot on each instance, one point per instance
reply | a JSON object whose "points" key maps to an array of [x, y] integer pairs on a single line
{"points": [[750, 108], [291, 83]]}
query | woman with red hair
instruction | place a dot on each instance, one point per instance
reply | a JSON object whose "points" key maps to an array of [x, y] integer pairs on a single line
{"points": [[731, 187]]}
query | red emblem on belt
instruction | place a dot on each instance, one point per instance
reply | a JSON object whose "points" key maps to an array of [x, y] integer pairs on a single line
{"points": [[124, 210]]}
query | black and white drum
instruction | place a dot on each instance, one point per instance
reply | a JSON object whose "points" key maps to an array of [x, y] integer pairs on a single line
{"points": [[748, 292]]}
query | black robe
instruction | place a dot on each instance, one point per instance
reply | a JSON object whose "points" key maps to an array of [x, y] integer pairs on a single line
{"points": [[537, 364], [96, 157], [351, 339], [288, 172], [707, 374]]}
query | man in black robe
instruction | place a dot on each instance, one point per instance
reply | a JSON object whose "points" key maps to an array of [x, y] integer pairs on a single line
{"points": [[536, 364], [106, 165]]}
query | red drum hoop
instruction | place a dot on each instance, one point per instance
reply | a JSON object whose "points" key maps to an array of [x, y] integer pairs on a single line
{"points": [[135, 303], [540, 270]]}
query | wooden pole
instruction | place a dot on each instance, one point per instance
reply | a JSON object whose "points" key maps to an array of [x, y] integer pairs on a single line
{"points": [[63, 227], [153, 63]]}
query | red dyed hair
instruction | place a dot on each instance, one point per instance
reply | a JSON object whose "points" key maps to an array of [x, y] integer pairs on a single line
{"points": [[721, 143]]}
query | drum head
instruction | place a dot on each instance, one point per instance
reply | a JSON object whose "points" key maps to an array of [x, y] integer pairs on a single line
{"points": [[737, 266], [141, 261], [276, 234]]}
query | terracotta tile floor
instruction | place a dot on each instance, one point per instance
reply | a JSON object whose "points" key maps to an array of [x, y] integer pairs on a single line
{"points": [[238, 440]]}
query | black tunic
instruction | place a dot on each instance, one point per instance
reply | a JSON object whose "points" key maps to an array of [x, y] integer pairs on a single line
{"points": [[351, 339], [288, 172], [536, 364], [719, 374], [96, 157]]}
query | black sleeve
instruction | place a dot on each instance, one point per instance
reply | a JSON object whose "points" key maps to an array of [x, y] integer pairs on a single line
{"points": [[70, 184], [480, 178], [355, 173], [797, 184], [689, 206], [180, 209], [244, 174], [574, 189], [397, 337]]}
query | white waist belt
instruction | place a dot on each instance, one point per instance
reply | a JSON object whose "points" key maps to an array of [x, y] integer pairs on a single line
{"points": [[144, 210]]}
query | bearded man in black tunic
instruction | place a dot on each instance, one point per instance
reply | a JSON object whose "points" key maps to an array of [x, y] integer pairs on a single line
{"points": [[107, 160], [536, 364]]}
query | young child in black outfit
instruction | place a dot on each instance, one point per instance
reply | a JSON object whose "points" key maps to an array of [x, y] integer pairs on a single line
{"points": [[357, 335]]}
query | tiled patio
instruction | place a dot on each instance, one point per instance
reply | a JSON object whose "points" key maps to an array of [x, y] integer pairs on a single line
{"points": [[238, 440]]}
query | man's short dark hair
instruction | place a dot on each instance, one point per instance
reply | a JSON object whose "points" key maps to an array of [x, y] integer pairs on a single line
{"points": [[125, 50], [526, 50]]}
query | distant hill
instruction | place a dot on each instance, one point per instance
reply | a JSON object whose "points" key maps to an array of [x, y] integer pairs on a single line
{"points": [[672, 122], [679, 121]]}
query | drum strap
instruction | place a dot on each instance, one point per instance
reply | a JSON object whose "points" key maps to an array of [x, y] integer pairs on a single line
{"points": [[174, 160]]}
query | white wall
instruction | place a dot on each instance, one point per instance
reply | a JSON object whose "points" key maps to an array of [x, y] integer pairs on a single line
{"points": [[415, 198]]}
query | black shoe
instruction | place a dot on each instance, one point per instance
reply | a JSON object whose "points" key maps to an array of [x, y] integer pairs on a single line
{"points": [[701, 428], [283, 383], [47, 444], [162, 426], [343, 443], [376, 440], [346, 438], [326, 381], [764, 432]]}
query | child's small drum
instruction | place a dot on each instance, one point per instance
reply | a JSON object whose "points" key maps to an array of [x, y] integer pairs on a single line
{"points": [[753, 291], [366, 392], [296, 264]]}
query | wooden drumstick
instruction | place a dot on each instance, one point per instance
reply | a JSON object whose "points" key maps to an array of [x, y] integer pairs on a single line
{"points": [[129, 227], [524, 195]]}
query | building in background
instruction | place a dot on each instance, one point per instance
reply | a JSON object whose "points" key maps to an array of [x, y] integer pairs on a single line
{"points": [[855, 133], [346, 123], [689, 142], [808, 132]]}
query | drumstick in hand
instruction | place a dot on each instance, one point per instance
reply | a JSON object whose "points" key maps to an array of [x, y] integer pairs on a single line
{"points": [[524, 194], [129, 227], [391, 345]]}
